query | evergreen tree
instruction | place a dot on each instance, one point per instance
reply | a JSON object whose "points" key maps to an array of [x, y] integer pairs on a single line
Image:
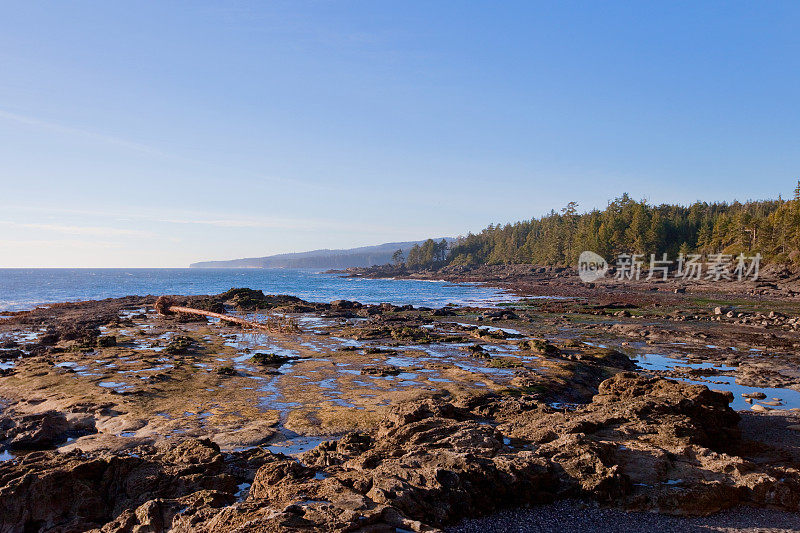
{"points": [[771, 228], [397, 257]]}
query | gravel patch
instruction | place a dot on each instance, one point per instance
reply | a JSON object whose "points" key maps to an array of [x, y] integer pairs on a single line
{"points": [[572, 515]]}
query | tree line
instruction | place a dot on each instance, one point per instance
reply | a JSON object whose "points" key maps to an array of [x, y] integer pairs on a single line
{"points": [[769, 227], [430, 254]]}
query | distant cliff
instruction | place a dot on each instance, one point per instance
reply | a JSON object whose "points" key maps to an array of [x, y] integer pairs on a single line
{"points": [[365, 256]]}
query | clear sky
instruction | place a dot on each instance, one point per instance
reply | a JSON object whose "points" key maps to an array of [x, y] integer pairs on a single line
{"points": [[162, 133]]}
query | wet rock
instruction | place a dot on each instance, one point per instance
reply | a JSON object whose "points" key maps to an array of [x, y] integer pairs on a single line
{"points": [[84, 332], [430, 462], [540, 346], [40, 431], [76, 491], [245, 299], [642, 443], [504, 362], [106, 341], [380, 370], [411, 334], [603, 356], [754, 395], [49, 339], [8, 354], [477, 350], [271, 359], [371, 311], [652, 444], [179, 345], [334, 452], [395, 332], [226, 370], [345, 304], [503, 314], [492, 334]]}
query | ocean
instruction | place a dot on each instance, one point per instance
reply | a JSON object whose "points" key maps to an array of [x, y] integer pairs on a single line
{"points": [[22, 289]]}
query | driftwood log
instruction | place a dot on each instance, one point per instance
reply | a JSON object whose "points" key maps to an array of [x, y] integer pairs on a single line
{"points": [[166, 306]]}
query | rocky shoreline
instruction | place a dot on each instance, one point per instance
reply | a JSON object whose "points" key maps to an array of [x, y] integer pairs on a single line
{"points": [[774, 281], [384, 417]]}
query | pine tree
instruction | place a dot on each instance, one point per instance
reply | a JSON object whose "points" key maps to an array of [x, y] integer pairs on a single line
{"points": [[771, 228]]}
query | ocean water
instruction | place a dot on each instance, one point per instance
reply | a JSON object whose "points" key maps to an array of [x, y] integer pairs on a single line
{"points": [[22, 289]]}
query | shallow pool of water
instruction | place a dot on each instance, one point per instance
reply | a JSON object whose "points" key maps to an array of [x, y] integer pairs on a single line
{"points": [[296, 445], [789, 397], [655, 361]]}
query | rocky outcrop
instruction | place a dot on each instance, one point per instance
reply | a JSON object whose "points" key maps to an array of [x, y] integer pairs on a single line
{"points": [[642, 443], [49, 491], [653, 444], [43, 430]]}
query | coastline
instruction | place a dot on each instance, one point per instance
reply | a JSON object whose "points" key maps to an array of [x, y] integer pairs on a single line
{"points": [[774, 282], [546, 399]]}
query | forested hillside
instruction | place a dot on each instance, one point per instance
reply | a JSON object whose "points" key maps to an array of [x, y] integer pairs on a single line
{"points": [[771, 228]]}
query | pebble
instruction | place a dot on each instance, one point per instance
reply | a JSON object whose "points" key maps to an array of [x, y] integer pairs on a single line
{"points": [[573, 516]]}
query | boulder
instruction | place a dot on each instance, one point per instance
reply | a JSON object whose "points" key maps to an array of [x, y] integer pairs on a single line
{"points": [[340, 305], [140, 491], [40, 431]]}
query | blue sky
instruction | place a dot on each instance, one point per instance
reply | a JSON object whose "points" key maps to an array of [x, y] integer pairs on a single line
{"points": [[161, 133]]}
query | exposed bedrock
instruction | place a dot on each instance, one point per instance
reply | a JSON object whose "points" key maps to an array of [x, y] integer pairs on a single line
{"points": [[642, 443]]}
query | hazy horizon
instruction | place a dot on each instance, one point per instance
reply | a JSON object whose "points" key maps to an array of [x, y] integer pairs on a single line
{"points": [[164, 134]]}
